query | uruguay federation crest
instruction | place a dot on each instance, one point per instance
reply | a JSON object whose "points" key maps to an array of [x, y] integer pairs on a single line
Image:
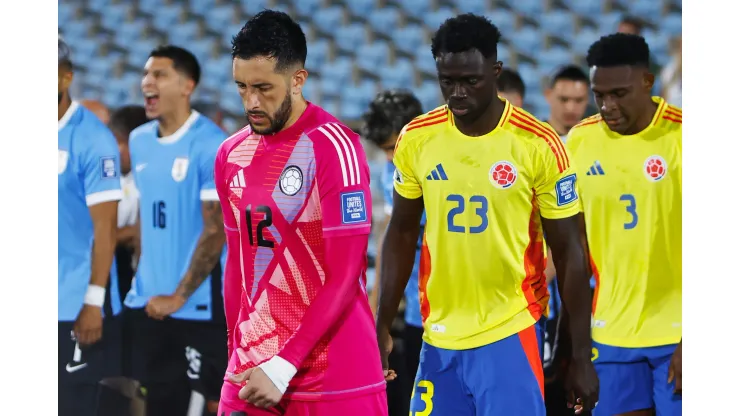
{"points": [[180, 169], [291, 180], [655, 168]]}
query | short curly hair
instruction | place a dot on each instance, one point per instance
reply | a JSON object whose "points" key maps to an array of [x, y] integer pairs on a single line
{"points": [[465, 32], [619, 49], [272, 34], [389, 112]]}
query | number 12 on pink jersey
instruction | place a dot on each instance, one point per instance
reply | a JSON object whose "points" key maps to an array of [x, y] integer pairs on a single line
{"points": [[264, 223]]}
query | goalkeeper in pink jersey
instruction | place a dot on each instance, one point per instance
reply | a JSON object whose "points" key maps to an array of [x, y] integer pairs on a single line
{"points": [[294, 189]]}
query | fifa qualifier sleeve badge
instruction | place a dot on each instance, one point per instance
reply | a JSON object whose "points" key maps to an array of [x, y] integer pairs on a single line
{"points": [[565, 190]]}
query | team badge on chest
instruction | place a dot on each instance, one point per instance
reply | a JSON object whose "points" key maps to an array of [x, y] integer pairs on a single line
{"points": [[180, 169], [502, 175], [291, 180], [655, 168]]}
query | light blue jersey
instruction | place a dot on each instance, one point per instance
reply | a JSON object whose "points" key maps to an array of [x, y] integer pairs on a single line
{"points": [[89, 174], [174, 175], [411, 293]]}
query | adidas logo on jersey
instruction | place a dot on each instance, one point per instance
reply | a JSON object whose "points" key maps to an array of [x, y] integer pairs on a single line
{"points": [[595, 169], [238, 181], [438, 174]]}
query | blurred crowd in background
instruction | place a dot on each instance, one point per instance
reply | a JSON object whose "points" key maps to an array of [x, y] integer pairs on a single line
{"points": [[358, 48]]}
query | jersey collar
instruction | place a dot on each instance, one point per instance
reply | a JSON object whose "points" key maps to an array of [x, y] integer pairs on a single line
{"points": [[68, 114], [174, 137], [662, 105], [508, 108]]}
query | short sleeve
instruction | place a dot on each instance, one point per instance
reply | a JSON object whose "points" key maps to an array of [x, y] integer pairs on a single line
{"points": [[404, 180], [207, 149], [555, 187], [343, 179], [222, 188], [100, 166]]}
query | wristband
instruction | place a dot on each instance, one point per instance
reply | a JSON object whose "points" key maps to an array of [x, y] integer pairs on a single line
{"points": [[279, 371], [95, 296]]}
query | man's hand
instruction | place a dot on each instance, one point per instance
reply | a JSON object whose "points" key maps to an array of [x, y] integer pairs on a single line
{"points": [[88, 327], [674, 371], [385, 345], [259, 390], [160, 307], [582, 385]]}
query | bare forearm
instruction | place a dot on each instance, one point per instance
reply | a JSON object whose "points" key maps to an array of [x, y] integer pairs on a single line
{"points": [[205, 257], [573, 285], [104, 246], [207, 251]]}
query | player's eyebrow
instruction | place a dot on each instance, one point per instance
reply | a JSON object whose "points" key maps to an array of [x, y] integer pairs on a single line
{"points": [[605, 90]]}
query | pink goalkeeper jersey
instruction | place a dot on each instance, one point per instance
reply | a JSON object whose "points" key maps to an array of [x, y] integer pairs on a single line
{"points": [[289, 194]]}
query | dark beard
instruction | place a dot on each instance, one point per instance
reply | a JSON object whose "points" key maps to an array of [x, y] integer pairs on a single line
{"points": [[61, 94], [277, 120]]}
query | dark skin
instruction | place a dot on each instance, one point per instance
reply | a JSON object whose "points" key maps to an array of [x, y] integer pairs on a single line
{"points": [[623, 96], [468, 83]]}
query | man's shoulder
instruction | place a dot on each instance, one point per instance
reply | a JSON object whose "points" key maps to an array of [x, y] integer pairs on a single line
{"points": [[141, 133], [233, 141], [425, 126], [588, 127]]}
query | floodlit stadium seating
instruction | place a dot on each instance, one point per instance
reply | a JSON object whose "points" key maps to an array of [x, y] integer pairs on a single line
{"points": [[355, 47]]}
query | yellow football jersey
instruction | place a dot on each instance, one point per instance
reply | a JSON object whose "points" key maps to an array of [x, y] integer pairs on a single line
{"points": [[481, 276], [630, 188]]}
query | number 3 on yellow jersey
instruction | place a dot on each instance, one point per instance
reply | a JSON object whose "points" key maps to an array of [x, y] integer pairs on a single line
{"points": [[426, 397]]}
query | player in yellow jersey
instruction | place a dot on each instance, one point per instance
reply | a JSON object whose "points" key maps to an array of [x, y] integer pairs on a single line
{"points": [[491, 177], [629, 176]]}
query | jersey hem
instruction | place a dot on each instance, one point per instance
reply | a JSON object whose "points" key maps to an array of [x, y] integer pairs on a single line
{"points": [[631, 342], [485, 338], [104, 196]]}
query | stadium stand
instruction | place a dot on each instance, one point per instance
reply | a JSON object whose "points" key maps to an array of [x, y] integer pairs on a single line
{"points": [[355, 47]]}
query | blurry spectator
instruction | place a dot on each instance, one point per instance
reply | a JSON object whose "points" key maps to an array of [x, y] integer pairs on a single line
{"points": [[176, 299], [568, 97], [97, 108], [670, 76], [389, 112], [511, 87], [122, 123], [210, 110], [635, 26], [631, 24]]}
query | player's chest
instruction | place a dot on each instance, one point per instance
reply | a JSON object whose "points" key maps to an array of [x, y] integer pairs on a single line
{"points": [[272, 184], [500, 173], [157, 169], [646, 168]]}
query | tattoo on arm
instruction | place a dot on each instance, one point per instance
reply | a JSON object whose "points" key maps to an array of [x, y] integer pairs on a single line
{"points": [[207, 252]]}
